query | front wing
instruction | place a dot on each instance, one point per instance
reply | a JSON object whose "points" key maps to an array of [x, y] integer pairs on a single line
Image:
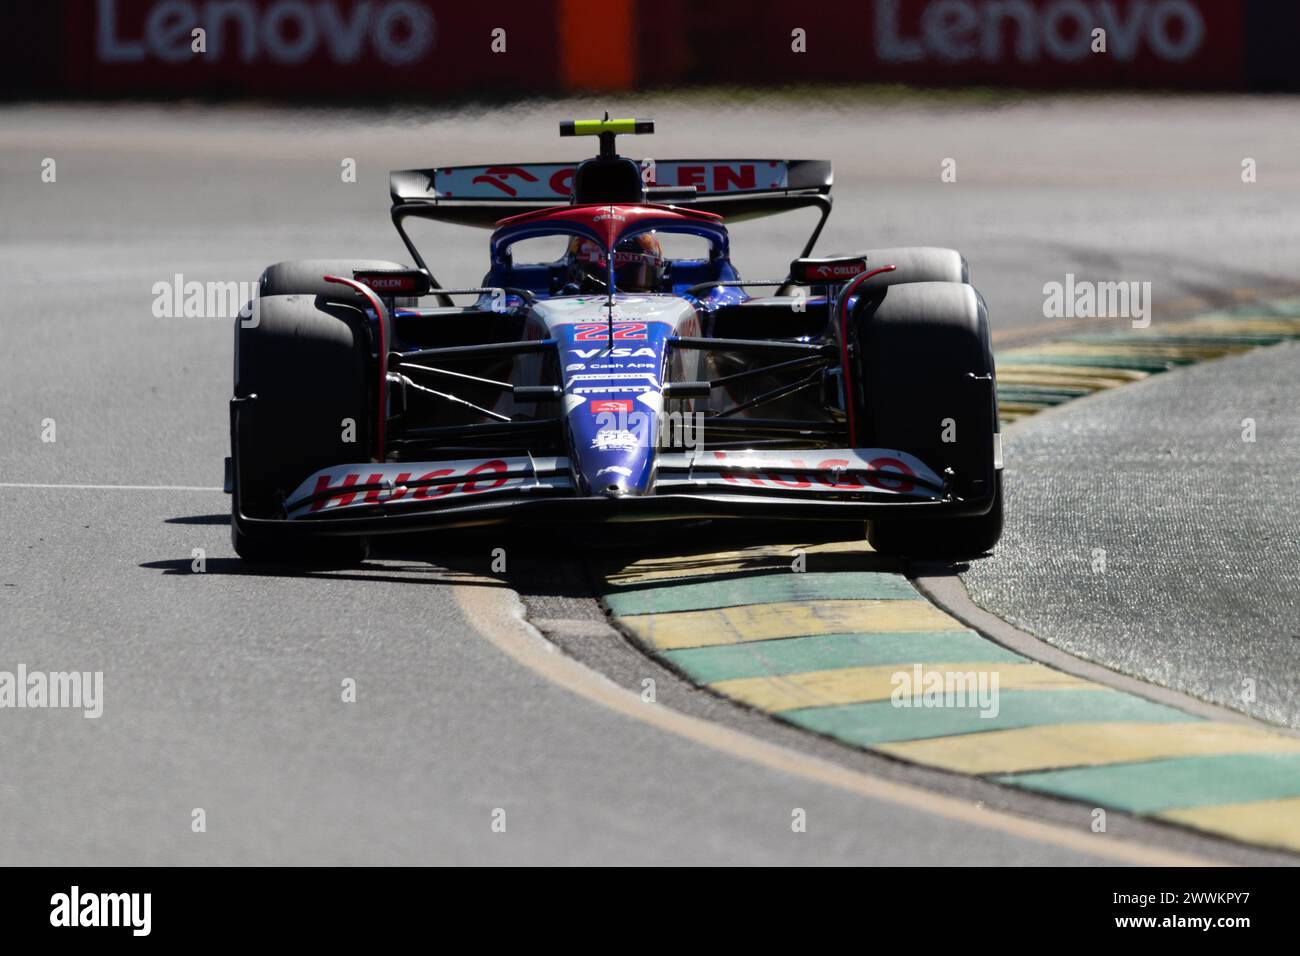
{"points": [[832, 484]]}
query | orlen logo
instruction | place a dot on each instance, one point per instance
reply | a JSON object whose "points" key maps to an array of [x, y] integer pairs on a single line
{"points": [[963, 30], [842, 271], [497, 175], [390, 284], [608, 405], [288, 32]]}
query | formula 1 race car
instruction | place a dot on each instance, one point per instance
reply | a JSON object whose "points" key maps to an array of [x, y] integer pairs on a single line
{"points": [[614, 367]]}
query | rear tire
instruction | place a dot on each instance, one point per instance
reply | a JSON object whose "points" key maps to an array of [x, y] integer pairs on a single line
{"points": [[308, 364], [307, 277], [924, 381], [911, 264], [916, 264]]}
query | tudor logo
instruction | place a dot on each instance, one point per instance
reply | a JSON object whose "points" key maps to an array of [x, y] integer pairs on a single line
{"points": [[282, 32]]}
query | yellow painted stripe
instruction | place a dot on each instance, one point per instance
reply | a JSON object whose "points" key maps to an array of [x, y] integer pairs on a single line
{"points": [[1264, 326], [1012, 376], [764, 622], [856, 685], [1143, 349], [1269, 822], [1018, 408], [1093, 383], [644, 572], [1086, 745], [1263, 315], [1078, 372], [759, 558], [500, 623], [1001, 337]]}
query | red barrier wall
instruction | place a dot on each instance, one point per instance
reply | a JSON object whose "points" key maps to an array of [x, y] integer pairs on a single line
{"points": [[1025, 43], [308, 49], [436, 50]]}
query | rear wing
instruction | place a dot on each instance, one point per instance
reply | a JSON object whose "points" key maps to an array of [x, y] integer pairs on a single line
{"points": [[732, 188]]}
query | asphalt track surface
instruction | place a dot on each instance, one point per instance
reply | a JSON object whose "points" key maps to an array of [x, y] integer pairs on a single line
{"points": [[1200, 589], [222, 689]]}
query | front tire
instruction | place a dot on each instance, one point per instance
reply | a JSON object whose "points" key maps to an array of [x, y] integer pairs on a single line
{"points": [[301, 372], [925, 384], [951, 538]]}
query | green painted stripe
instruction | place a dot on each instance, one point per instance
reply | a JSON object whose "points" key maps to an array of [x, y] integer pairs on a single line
{"points": [[1178, 782], [1042, 392], [771, 588], [1273, 309], [1020, 405], [1047, 389], [796, 655], [1140, 363], [1190, 784], [1041, 396], [881, 722]]}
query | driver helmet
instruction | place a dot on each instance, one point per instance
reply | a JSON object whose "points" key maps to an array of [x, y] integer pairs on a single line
{"points": [[638, 263]]}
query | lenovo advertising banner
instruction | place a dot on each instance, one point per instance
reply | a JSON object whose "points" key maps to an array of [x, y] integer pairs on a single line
{"points": [[307, 48], [438, 51], [1189, 44]]}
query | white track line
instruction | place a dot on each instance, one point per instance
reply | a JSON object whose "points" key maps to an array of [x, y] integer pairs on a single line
{"points": [[19, 484]]}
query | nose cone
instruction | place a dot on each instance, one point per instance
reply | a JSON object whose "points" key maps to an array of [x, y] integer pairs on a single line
{"points": [[613, 362], [614, 450]]}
